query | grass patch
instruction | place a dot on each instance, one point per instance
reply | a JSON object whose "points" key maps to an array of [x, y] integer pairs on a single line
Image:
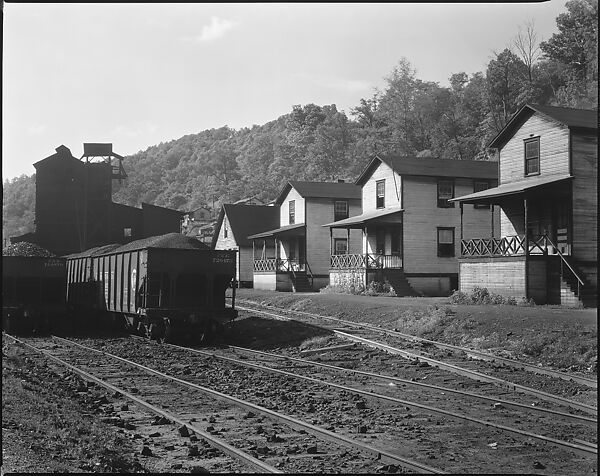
{"points": [[374, 288], [482, 296]]}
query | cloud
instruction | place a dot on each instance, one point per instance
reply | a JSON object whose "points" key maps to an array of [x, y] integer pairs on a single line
{"points": [[134, 130], [350, 85], [217, 29]]}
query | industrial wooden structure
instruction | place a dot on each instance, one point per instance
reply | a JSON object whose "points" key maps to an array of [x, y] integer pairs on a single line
{"points": [[408, 227], [73, 203], [547, 197]]}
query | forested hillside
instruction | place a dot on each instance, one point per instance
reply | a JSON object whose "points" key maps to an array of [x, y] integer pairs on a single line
{"points": [[410, 116]]}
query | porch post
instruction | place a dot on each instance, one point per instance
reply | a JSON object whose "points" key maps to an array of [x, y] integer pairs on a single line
{"points": [[366, 257], [461, 221], [492, 208], [253, 253], [526, 209], [348, 242], [330, 242]]}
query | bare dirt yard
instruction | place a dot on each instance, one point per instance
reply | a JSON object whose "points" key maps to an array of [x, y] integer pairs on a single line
{"points": [[561, 338]]}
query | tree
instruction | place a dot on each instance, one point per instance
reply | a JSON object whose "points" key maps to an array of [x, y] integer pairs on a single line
{"points": [[527, 47]]}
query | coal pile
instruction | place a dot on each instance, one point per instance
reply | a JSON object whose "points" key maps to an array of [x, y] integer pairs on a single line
{"points": [[26, 249]]}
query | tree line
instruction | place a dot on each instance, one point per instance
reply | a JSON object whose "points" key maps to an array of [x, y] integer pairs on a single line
{"points": [[408, 117]]}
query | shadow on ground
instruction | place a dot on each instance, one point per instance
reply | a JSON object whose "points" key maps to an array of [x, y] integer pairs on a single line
{"points": [[259, 333]]}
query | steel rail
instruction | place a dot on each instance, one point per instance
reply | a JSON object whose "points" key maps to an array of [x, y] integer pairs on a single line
{"points": [[471, 352], [235, 453], [293, 422], [472, 374], [455, 369], [507, 403], [581, 449]]}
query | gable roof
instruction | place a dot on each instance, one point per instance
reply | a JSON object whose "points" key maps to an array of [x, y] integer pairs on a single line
{"points": [[572, 118], [341, 190], [246, 220], [63, 153], [427, 167]]}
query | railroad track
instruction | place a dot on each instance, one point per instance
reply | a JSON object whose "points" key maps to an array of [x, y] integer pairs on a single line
{"points": [[389, 341], [285, 436], [462, 442], [476, 354]]}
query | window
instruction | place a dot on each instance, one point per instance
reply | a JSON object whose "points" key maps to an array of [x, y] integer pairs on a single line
{"points": [[340, 246], [292, 205], [445, 240], [532, 156], [479, 186], [225, 231], [445, 192], [127, 232], [380, 193], [340, 210]]}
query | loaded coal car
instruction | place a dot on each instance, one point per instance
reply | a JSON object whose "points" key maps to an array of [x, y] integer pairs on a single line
{"points": [[163, 287], [33, 289]]}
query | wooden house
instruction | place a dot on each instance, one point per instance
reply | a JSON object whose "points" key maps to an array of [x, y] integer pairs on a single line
{"points": [[295, 255], [547, 197], [234, 224], [408, 227]]}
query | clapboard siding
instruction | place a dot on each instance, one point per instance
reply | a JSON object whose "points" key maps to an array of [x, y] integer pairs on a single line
{"points": [[392, 188], [284, 210], [554, 149], [422, 217], [585, 196], [225, 242], [318, 245], [512, 218]]}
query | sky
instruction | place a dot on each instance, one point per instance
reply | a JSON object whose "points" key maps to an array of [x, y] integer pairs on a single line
{"points": [[136, 75]]}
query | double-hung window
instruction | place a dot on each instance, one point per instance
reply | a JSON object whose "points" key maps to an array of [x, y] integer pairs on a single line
{"points": [[292, 211], [445, 242], [479, 186], [340, 246], [445, 191], [380, 193], [340, 210], [532, 156]]}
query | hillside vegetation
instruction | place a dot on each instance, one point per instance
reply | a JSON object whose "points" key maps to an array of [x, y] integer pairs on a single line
{"points": [[410, 116]]}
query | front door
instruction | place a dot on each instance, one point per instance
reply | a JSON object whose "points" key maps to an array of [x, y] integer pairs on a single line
{"points": [[561, 226]]}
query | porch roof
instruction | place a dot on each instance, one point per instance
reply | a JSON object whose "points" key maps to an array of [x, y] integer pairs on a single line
{"points": [[298, 229], [513, 188], [359, 221]]}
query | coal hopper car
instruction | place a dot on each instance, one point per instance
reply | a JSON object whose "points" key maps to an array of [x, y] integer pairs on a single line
{"points": [[33, 290], [162, 287]]}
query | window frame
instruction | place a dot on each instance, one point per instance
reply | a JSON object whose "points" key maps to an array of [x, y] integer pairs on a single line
{"points": [[443, 202], [379, 183], [487, 186], [527, 161], [440, 251], [335, 247], [337, 215], [292, 212]]}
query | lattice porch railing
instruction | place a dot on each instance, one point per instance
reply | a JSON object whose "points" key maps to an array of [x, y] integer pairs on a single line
{"points": [[362, 261]]}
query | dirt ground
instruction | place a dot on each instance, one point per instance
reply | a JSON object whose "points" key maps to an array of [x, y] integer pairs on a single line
{"points": [[50, 425], [558, 337]]}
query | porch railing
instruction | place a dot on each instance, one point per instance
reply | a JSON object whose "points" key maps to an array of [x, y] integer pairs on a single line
{"points": [[278, 264], [515, 246], [365, 261], [507, 246]]}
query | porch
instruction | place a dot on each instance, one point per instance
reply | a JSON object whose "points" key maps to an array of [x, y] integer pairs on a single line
{"points": [[279, 259], [381, 259], [533, 258]]}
